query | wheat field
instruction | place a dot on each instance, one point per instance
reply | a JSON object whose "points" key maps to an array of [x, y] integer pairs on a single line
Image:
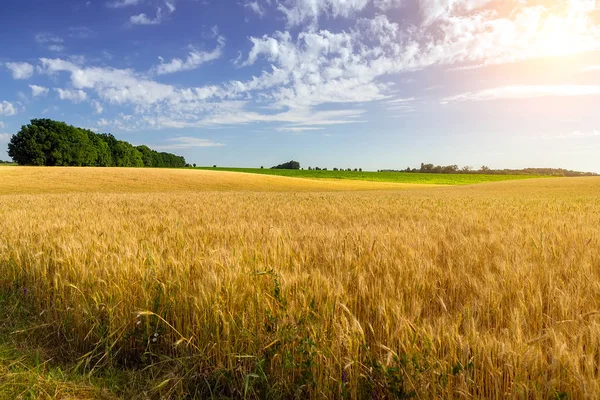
{"points": [[219, 285]]}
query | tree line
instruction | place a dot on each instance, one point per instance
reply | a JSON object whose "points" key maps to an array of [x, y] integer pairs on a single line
{"points": [[454, 169], [52, 143]]}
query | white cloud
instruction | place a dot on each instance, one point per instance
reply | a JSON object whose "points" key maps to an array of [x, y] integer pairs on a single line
{"points": [[298, 12], [81, 32], [590, 68], [433, 10], [171, 6], [97, 107], [194, 59], [184, 142], [255, 7], [4, 137], [580, 134], [20, 70], [298, 129], [123, 3], [37, 91], [51, 42], [76, 96], [385, 5], [2, 125], [143, 19], [526, 92], [7, 109], [400, 101], [296, 73]]}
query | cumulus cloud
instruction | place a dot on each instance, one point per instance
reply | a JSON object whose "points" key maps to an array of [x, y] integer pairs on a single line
{"points": [[37, 91], [194, 59], [297, 74], [76, 96], [20, 70], [4, 137], [7, 109]]}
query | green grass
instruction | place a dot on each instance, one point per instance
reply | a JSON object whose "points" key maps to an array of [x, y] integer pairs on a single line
{"points": [[28, 370], [397, 177]]}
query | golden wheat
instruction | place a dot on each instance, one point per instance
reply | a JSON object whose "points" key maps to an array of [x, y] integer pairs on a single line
{"points": [[266, 287]]}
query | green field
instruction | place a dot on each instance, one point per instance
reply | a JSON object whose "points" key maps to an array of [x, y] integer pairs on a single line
{"points": [[398, 177]]}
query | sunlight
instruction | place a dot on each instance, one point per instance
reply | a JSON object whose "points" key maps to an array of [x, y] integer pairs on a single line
{"points": [[565, 32]]}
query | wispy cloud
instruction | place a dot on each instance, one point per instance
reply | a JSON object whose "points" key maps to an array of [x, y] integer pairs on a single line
{"points": [[525, 92], [98, 109], [400, 101], [5, 137], [580, 134], [404, 105], [194, 59], [123, 3], [144, 19], [255, 7], [51, 42], [81, 32], [185, 142], [590, 68], [20, 70], [37, 91], [297, 129]]}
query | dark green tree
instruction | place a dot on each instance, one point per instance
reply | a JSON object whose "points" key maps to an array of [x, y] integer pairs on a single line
{"points": [[48, 142]]}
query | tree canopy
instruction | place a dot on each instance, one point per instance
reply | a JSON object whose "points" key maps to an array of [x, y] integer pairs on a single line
{"points": [[288, 165], [53, 143]]}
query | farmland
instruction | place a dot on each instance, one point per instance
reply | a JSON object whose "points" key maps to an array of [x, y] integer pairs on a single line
{"points": [[199, 284], [394, 177]]}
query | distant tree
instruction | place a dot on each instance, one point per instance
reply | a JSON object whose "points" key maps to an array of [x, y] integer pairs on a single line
{"points": [[360, 169], [324, 169], [335, 169], [288, 165], [214, 166], [449, 169], [194, 165], [427, 168], [484, 168], [262, 167], [466, 169]]}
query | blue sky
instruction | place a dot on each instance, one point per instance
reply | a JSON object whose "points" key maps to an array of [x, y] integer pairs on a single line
{"points": [[335, 83]]}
